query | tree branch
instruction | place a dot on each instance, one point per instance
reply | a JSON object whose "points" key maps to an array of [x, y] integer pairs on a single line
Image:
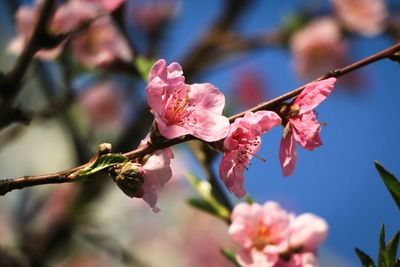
{"points": [[69, 175]]}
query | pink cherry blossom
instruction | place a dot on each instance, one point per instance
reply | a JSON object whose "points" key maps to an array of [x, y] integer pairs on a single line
{"points": [[270, 236], [364, 16], [317, 48], [156, 173], [100, 44], [106, 5], [261, 231], [307, 232], [180, 109], [103, 104], [303, 126], [241, 144]]}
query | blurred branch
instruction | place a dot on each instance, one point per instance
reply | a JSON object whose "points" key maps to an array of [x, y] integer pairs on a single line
{"points": [[69, 175], [11, 83]]}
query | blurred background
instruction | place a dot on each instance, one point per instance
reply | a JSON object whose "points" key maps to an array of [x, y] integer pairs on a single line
{"points": [[252, 51]]}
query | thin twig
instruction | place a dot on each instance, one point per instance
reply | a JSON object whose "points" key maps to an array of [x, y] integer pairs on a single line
{"points": [[68, 176]]}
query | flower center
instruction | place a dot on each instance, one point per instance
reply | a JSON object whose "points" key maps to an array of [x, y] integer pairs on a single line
{"points": [[246, 146], [261, 238], [179, 108]]}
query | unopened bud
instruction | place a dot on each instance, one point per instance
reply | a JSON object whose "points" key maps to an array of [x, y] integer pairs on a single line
{"points": [[129, 178], [104, 148]]}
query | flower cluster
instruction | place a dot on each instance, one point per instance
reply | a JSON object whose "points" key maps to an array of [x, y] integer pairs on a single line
{"points": [[98, 44], [183, 109], [271, 237]]}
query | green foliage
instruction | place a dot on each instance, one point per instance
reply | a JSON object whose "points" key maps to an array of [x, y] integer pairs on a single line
{"points": [[143, 65], [366, 260], [102, 162], [230, 255], [206, 202], [392, 184]]}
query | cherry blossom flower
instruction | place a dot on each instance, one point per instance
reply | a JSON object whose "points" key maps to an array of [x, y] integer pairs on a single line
{"points": [[180, 109], [317, 48], [107, 5], [100, 44], [241, 144], [156, 173], [103, 104], [261, 231], [302, 125], [270, 236], [366, 17]]}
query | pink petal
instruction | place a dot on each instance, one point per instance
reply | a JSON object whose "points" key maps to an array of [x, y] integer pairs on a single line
{"points": [[306, 130], [308, 231], [314, 94], [207, 98], [168, 76], [288, 154], [170, 131], [231, 173], [260, 121]]}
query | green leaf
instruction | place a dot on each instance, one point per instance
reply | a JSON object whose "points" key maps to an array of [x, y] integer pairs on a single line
{"points": [[392, 184], [144, 65], [204, 190], [391, 249], [382, 256], [230, 255], [203, 205], [101, 163], [366, 260]]}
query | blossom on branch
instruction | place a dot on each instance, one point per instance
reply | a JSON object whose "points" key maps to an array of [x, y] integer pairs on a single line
{"points": [[366, 17], [271, 237], [241, 144], [302, 126], [317, 48], [180, 109]]}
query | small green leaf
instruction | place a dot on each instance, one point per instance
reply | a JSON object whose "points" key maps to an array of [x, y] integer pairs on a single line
{"points": [[204, 190], [366, 260], [101, 163], [143, 65], [392, 184], [382, 256], [230, 255], [203, 205], [391, 249], [248, 199]]}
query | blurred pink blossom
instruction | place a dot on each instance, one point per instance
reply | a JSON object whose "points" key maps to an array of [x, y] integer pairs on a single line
{"points": [[270, 236], [107, 5], [100, 44], [241, 144], [156, 173], [303, 126], [249, 88], [317, 48], [102, 103], [150, 15], [366, 17], [181, 109]]}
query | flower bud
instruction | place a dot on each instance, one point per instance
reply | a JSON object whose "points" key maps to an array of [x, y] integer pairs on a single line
{"points": [[129, 178]]}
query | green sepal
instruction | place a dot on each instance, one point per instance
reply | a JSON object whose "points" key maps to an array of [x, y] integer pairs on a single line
{"points": [[143, 65], [392, 184], [209, 203], [102, 162], [365, 259], [230, 255]]}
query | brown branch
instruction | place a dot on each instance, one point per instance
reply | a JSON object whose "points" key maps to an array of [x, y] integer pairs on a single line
{"points": [[11, 83], [68, 176]]}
